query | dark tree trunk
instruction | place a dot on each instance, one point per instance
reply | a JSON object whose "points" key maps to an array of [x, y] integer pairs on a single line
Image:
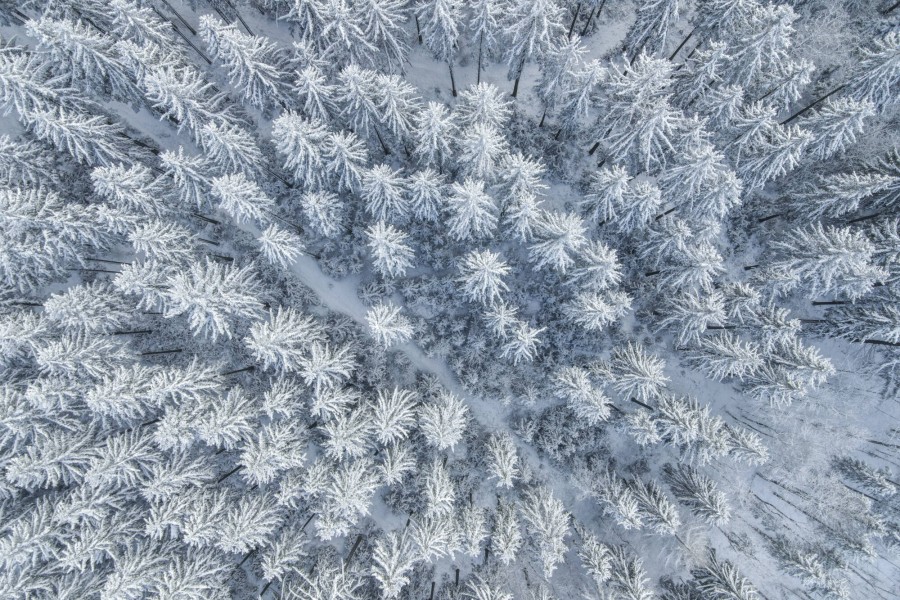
{"points": [[241, 370], [515, 91], [866, 218], [543, 116], [639, 403], [594, 13], [801, 111], [179, 17], [593, 149], [770, 217], [418, 30], [829, 302], [133, 332], [681, 45], [155, 352], [480, 48], [452, 80], [574, 18], [888, 10]]}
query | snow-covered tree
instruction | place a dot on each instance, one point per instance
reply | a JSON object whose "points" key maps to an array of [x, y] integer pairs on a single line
{"points": [[389, 327], [434, 131], [878, 73], [637, 373], [284, 339], [393, 415], [425, 190], [504, 459], [280, 246], [324, 211], [391, 253], [443, 421], [506, 538], [473, 213], [483, 104], [558, 236], [213, 296], [255, 66], [532, 29], [301, 142], [231, 147], [439, 22], [242, 199], [383, 191], [721, 579], [830, 260], [587, 402], [548, 520], [481, 276], [392, 560], [522, 342], [699, 493]]}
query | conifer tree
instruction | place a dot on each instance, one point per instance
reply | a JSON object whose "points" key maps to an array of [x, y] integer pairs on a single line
{"points": [[481, 276], [393, 256], [504, 460], [440, 21], [548, 519], [389, 327], [532, 29], [443, 421]]}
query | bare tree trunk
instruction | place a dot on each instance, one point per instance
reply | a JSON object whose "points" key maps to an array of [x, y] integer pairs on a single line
{"points": [[543, 116], [515, 91], [800, 112], [574, 18], [452, 80], [594, 13], [480, 47], [418, 30], [681, 45]]}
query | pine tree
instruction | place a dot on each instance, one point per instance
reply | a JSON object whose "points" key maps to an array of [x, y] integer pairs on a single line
{"points": [[443, 421], [326, 582], [89, 139], [789, 82], [522, 342], [532, 28], [721, 579], [323, 210], [317, 97], [484, 25], [637, 373], [763, 42], [557, 237], [878, 72], [699, 493], [348, 434], [281, 557], [392, 255], [326, 367], [383, 191], [434, 537], [596, 311], [439, 491], [398, 105], [587, 402], [228, 422], [657, 510], [557, 70], [549, 521], [425, 191], [342, 37], [440, 21], [693, 314], [478, 589], [481, 276], [580, 96], [472, 212], [483, 104], [506, 537], [481, 150], [725, 355], [392, 560], [88, 308], [396, 461], [213, 296], [87, 57], [389, 327], [595, 557], [383, 22], [628, 577], [619, 501], [393, 414], [504, 460], [607, 190], [241, 198], [345, 159], [254, 64], [836, 125], [231, 148], [876, 481], [649, 32], [280, 246], [434, 131], [830, 260], [301, 142], [277, 447]]}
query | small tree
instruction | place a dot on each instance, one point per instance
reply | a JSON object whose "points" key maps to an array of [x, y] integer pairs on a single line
{"points": [[392, 255]]}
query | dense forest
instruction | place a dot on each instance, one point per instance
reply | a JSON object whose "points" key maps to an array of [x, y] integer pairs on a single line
{"points": [[449, 299]]}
